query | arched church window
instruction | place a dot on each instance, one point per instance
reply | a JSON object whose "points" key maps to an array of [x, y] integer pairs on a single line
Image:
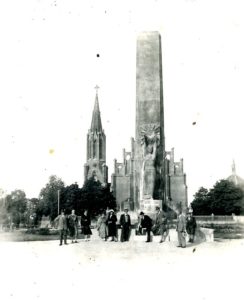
{"points": [[94, 149], [100, 148]]}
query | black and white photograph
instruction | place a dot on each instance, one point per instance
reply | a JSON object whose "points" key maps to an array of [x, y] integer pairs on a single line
{"points": [[122, 153]]}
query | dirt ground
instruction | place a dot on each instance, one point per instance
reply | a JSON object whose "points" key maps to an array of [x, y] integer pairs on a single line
{"points": [[134, 270]]}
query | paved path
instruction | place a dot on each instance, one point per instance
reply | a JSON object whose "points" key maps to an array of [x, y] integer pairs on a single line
{"points": [[107, 270]]}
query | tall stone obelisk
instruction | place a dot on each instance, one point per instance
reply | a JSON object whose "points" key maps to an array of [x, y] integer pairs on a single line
{"points": [[149, 142]]}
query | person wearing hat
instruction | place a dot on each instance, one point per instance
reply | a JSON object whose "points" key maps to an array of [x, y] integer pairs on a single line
{"points": [[73, 226], [112, 227], [161, 224], [102, 226], [85, 225], [61, 220], [125, 224], [145, 222], [191, 225], [181, 229]]}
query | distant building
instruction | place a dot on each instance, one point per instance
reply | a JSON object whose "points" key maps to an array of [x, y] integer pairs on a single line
{"points": [[95, 165], [237, 180], [175, 187], [124, 186], [123, 183]]}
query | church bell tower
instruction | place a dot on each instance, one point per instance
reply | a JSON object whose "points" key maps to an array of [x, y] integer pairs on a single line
{"points": [[96, 148]]}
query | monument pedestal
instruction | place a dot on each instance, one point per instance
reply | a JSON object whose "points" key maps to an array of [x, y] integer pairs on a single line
{"points": [[148, 206]]}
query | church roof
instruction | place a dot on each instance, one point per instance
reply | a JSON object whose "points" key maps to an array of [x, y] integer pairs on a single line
{"points": [[96, 124], [237, 180]]}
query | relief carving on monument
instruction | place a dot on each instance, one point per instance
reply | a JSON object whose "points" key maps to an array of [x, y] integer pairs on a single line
{"points": [[150, 138]]}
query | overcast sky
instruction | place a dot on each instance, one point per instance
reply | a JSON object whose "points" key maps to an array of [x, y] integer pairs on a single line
{"points": [[49, 68]]}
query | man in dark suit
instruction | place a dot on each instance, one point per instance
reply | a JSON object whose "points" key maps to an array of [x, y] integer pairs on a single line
{"points": [[146, 222], [125, 224]]}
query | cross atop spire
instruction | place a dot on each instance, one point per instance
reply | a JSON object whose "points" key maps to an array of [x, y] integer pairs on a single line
{"points": [[233, 167], [96, 88]]}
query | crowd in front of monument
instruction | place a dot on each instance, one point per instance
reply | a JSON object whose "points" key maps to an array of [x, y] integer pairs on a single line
{"points": [[107, 226]]}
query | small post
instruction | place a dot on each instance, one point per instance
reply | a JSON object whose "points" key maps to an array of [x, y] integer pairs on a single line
{"points": [[58, 200]]}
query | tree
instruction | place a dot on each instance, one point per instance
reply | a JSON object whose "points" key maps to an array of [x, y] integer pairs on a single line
{"points": [[31, 215], [201, 202], [226, 198], [3, 212], [48, 204], [70, 197], [16, 206], [95, 197], [223, 199], [92, 196]]}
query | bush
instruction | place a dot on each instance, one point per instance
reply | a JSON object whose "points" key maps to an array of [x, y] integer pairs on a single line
{"points": [[44, 231], [31, 231], [41, 231]]}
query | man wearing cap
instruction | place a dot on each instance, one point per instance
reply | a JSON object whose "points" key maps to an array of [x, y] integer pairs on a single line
{"points": [[146, 222], [161, 225], [61, 220], [125, 224]]}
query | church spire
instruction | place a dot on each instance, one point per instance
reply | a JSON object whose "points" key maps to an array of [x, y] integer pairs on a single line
{"points": [[96, 148], [233, 167], [96, 124], [234, 176]]}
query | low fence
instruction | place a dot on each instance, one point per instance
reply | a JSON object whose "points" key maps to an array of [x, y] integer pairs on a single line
{"points": [[215, 219]]}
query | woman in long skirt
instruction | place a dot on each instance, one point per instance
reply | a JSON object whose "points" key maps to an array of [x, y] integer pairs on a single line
{"points": [[85, 225], [102, 226], [112, 228]]}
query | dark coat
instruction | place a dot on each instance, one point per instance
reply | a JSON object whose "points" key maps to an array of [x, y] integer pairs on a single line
{"points": [[146, 222], [85, 224], [191, 225], [122, 221], [125, 224], [111, 223]]}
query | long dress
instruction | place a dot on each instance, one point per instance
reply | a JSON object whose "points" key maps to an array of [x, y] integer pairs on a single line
{"points": [[102, 227], [112, 228], [85, 225]]}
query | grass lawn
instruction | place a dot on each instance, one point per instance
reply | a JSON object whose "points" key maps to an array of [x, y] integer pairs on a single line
{"points": [[22, 236], [221, 232]]}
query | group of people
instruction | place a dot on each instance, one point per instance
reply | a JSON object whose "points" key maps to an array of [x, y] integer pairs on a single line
{"points": [[160, 226], [69, 224], [107, 226], [185, 225]]}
